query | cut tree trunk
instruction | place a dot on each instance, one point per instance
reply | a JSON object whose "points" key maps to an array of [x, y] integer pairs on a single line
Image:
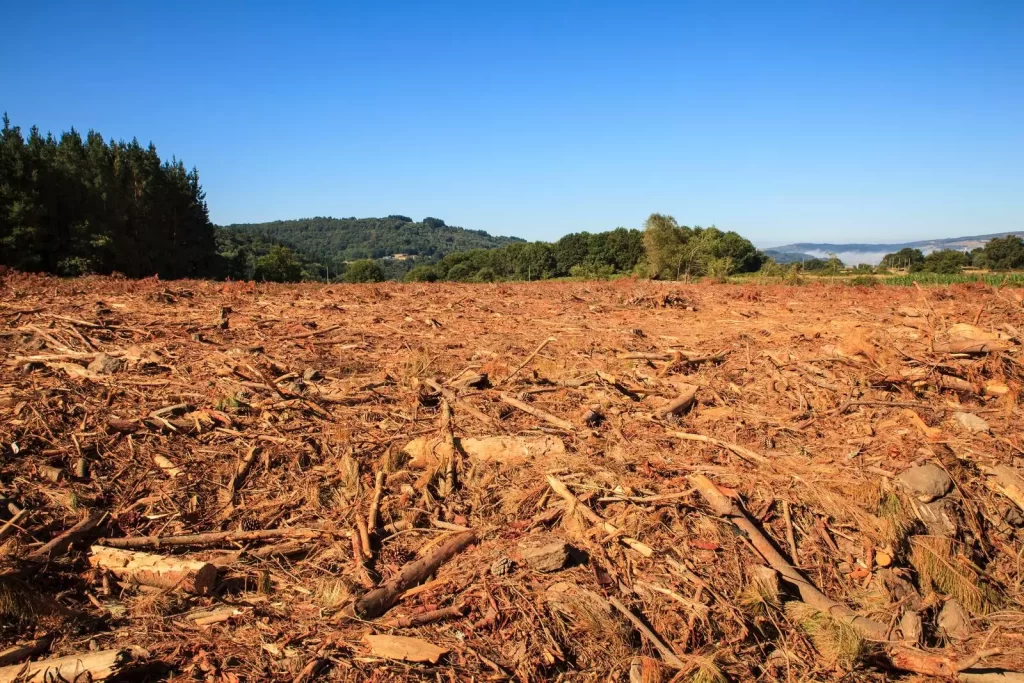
{"points": [[158, 571], [94, 666]]}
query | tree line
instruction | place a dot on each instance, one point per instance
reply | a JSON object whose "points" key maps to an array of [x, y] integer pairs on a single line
{"points": [[78, 205], [75, 205], [999, 253]]}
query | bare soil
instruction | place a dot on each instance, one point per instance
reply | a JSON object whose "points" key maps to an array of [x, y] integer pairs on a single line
{"points": [[597, 551]]}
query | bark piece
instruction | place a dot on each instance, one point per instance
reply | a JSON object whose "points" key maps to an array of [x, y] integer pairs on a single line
{"points": [[404, 648], [148, 569], [544, 552]]}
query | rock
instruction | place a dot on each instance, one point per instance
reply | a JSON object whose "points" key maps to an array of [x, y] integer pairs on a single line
{"points": [[912, 627], [544, 552], [105, 365], [310, 375], [954, 622], [502, 566], [971, 422], [927, 482]]}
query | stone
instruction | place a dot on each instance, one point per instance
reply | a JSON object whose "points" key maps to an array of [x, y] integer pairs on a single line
{"points": [[927, 482], [105, 365], [954, 622], [544, 553], [971, 422], [310, 375], [912, 627]]}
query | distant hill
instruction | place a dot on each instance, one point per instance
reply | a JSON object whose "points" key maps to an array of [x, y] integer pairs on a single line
{"points": [[852, 254], [784, 257], [348, 239]]}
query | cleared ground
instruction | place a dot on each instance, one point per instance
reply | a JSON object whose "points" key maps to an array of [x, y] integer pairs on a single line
{"points": [[612, 538]]}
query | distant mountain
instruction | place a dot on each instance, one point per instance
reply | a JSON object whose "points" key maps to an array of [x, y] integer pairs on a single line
{"points": [[348, 239], [852, 254]]}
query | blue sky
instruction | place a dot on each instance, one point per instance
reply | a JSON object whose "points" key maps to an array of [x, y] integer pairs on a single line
{"points": [[817, 121]]}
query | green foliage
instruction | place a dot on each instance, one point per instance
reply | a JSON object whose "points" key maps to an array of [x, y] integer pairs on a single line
{"points": [[346, 239], [907, 258], [948, 261], [421, 274], [1003, 253], [364, 270], [675, 251], [279, 265], [74, 205], [592, 270], [813, 265]]}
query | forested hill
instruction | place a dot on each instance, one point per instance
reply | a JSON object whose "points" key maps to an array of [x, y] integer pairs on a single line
{"points": [[348, 239]]}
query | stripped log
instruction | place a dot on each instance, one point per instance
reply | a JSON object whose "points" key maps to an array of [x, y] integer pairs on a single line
{"points": [[92, 666], [973, 346], [147, 569], [18, 653], [379, 600]]}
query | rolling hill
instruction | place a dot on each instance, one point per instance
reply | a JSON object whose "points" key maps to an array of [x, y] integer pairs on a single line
{"points": [[852, 254], [348, 239]]}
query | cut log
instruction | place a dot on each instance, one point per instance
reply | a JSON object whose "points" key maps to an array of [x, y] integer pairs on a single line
{"points": [[147, 569], [514, 451], [92, 666], [973, 347], [18, 653], [379, 600]]}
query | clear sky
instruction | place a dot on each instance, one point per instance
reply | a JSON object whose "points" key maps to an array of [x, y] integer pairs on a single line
{"points": [[786, 121]]}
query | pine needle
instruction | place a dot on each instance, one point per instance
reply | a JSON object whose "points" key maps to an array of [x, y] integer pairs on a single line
{"points": [[837, 641], [942, 567], [760, 597], [706, 669]]}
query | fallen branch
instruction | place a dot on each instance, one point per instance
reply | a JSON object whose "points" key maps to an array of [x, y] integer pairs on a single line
{"points": [[526, 362], [380, 600], [670, 657], [744, 453], [210, 538], [537, 412], [427, 617], [60, 544], [596, 519], [18, 653], [687, 396]]}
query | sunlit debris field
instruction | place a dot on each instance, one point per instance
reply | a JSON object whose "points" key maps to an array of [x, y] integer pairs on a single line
{"points": [[624, 481]]}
